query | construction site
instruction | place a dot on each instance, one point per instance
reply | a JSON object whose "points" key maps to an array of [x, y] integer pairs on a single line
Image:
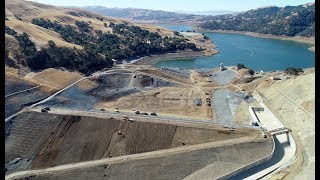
{"points": [[86, 99], [163, 123]]}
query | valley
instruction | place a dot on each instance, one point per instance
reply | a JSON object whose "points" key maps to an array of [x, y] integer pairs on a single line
{"points": [[89, 96]]}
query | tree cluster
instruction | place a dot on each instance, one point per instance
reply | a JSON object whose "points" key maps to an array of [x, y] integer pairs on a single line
{"points": [[73, 59], [289, 21], [100, 18], [99, 48], [294, 71], [125, 41], [240, 66]]}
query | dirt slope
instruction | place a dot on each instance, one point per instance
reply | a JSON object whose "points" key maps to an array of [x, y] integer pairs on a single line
{"points": [[45, 140], [54, 79], [293, 100], [174, 101], [16, 82], [173, 166]]}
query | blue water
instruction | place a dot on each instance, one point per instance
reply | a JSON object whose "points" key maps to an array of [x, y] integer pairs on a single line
{"points": [[257, 53], [175, 27]]}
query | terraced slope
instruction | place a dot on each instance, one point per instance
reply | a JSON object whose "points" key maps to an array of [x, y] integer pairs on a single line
{"points": [[221, 159], [45, 140]]}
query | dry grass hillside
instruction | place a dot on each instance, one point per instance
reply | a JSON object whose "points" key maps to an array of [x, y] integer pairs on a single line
{"points": [[11, 42], [53, 79], [293, 100], [50, 80], [27, 10], [39, 35], [19, 15]]}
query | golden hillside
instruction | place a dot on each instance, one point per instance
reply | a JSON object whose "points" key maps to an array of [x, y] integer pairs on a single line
{"points": [[21, 17], [26, 11]]}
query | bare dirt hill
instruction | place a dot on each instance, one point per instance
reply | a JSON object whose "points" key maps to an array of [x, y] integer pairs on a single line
{"points": [[45, 140], [293, 101]]}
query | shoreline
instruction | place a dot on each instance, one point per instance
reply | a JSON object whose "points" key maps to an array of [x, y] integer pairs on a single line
{"points": [[151, 60], [300, 39], [207, 46]]}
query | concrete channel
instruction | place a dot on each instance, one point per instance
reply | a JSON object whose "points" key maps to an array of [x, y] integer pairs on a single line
{"points": [[283, 155]]}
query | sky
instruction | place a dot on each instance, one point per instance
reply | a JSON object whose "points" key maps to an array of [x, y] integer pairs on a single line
{"points": [[179, 5]]}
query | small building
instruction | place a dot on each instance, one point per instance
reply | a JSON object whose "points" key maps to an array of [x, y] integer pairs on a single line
{"points": [[198, 102], [275, 78], [222, 68]]}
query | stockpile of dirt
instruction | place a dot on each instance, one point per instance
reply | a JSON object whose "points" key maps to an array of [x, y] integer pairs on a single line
{"points": [[113, 86], [141, 81], [116, 80], [166, 75], [49, 140], [184, 73], [149, 60], [119, 80]]}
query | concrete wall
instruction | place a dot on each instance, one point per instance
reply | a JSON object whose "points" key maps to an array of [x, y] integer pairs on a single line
{"points": [[248, 166], [254, 116]]}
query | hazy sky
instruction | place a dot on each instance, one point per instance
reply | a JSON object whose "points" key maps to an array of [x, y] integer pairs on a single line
{"points": [[179, 5]]}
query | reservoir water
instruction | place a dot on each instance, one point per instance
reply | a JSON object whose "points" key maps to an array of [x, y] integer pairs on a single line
{"points": [[254, 52]]}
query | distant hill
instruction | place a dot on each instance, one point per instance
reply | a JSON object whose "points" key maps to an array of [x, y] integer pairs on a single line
{"points": [[208, 13], [289, 21], [145, 15]]}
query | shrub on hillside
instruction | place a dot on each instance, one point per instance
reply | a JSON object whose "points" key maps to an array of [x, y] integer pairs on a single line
{"points": [[10, 31], [240, 66], [294, 71], [251, 71]]}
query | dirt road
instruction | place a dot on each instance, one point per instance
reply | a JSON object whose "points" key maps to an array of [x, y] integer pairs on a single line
{"points": [[45, 100], [137, 117], [22, 91]]}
